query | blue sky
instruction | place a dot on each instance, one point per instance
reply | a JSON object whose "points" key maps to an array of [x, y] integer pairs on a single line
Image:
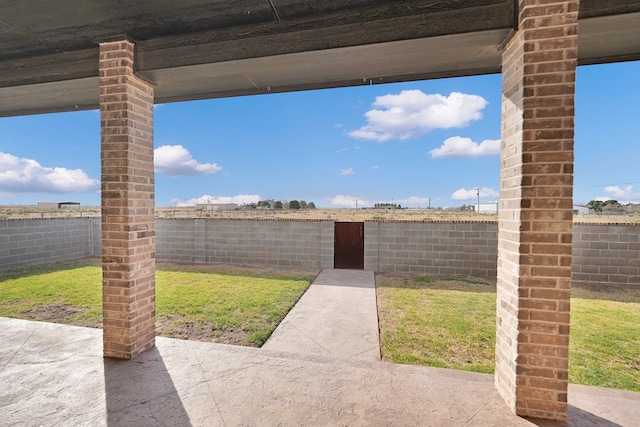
{"points": [[411, 143]]}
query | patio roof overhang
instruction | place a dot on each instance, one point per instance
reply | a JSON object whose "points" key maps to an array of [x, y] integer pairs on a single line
{"points": [[198, 49]]}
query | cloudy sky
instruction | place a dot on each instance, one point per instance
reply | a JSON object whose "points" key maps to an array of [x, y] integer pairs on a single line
{"points": [[417, 144]]}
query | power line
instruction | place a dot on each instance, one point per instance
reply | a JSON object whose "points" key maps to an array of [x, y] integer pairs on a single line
{"points": [[608, 185]]}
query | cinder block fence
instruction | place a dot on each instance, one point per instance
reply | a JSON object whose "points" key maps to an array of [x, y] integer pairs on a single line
{"points": [[602, 253], [30, 242], [306, 244], [460, 248], [607, 254]]}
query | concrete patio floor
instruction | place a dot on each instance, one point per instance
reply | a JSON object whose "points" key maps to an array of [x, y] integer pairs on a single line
{"points": [[55, 375]]}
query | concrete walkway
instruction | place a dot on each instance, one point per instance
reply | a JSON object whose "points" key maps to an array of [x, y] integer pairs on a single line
{"points": [[336, 317]]}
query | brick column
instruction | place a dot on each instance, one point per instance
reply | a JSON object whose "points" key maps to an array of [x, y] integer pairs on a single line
{"points": [[535, 216], [128, 224]]}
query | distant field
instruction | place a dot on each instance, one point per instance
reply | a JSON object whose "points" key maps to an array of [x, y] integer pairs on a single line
{"points": [[331, 214]]}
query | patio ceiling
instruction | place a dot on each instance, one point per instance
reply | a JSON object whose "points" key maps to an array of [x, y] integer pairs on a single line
{"points": [[195, 49]]}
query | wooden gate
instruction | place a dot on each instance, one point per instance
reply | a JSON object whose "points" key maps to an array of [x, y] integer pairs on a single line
{"points": [[349, 245]]}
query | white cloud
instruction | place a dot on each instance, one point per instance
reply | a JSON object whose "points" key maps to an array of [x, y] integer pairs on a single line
{"points": [[413, 113], [616, 191], [375, 167], [240, 199], [22, 175], [347, 201], [176, 160], [622, 195], [342, 150], [348, 171], [472, 194], [457, 146]]}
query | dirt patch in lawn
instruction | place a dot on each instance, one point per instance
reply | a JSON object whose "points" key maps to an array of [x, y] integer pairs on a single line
{"points": [[59, 313], [170, 327], [51, 312], [181, 328]]}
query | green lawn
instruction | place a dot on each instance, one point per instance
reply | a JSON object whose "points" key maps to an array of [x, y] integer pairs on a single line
{"points": [[212, 303], [446, 323], [450, 323], [605, 339]]}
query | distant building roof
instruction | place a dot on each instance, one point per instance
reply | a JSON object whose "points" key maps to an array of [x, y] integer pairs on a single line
{"points": [[217, 206], [57, 205]]}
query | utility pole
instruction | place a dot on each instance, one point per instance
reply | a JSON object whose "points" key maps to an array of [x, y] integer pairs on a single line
{"points": [[478, 192]]}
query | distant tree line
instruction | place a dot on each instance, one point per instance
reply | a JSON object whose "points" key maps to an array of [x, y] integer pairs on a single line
{"points": [[386, 206], [600, 206], [279, 204]]}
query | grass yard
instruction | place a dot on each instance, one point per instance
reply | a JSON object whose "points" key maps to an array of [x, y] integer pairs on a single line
{"points": [[210, 303], [605, 338], [450, 323], [443, 322]]}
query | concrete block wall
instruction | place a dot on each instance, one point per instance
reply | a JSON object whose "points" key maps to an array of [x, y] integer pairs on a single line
{"points": [[438, 248], [96, 237], [372, 246], [602, 253], [285, 243], [327, 230], [606, 254], [175, 240], [29, 242]]}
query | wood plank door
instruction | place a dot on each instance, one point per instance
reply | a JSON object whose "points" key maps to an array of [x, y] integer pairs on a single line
{"points": [[349, 245]]}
